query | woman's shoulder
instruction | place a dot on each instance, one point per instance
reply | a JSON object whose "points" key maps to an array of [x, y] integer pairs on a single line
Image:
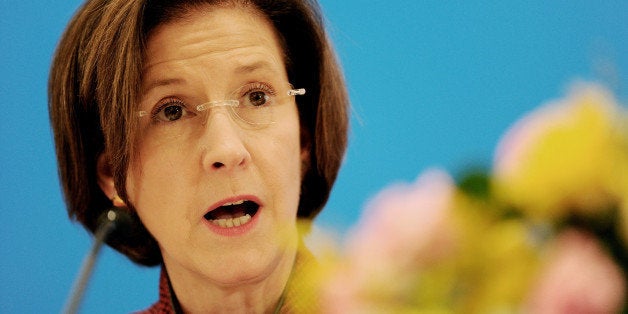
{"points": [[164, 304], [303, 288]]}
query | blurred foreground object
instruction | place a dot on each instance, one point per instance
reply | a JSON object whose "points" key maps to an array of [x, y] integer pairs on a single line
{"points": [[567, 157], [543, 232]]}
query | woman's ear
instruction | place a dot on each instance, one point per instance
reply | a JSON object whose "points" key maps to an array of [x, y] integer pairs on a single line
{"points": [[106, 182], [306, 149]]}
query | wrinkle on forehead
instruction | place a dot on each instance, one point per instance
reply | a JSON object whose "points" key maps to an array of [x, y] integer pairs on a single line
{"points": [[210, 52], [188, 49], [207, 29], [206, 36]]}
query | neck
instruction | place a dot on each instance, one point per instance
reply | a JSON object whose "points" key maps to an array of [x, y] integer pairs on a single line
{"points": [[259, 295]]}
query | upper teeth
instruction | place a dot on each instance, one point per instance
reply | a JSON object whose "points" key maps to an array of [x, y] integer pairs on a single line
{"points": [[234, 203], [232, 222]]}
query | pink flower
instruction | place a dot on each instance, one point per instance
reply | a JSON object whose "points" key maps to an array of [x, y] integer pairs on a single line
{"points": [[403, 227], [402, 223], [578, 277]]}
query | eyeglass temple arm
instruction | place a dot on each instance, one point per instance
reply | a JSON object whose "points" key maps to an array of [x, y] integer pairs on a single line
{"points": [[295, 92]]}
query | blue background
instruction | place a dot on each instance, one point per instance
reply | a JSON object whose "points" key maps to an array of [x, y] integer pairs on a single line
{"points": [[431, 83]]}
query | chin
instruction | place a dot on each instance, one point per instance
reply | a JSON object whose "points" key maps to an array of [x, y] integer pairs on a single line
{"points": [[250, 267]]}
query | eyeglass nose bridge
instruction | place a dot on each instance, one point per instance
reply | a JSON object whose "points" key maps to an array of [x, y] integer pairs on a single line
{"points": [[231, 104], [217, 103]]}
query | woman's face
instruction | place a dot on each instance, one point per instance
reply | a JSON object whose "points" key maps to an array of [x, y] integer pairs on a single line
{"points": [[218, 193]]}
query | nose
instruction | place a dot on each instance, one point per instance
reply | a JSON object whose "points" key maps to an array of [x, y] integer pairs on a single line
{"points": [[223, 147]]}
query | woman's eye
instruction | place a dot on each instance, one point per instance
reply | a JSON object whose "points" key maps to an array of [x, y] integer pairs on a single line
{"points": [[257, 94], [257, 98], [171, 112]]}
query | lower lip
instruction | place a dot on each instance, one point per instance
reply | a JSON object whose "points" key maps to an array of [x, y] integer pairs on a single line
{"points": [[236, 230]]}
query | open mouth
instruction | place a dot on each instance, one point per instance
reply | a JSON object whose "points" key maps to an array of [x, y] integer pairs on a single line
{"points": [[233, 214]]}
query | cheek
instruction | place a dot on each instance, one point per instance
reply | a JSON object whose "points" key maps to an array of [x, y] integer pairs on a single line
{"points": [[153, 181], [159, 168], [280, 162], [146, 175], [284, 164]]}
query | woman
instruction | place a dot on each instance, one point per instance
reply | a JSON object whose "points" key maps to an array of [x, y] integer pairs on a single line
{"points": [[216, 124]]}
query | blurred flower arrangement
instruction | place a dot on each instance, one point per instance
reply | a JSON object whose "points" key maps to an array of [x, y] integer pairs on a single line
{"points": [[544, 231]]}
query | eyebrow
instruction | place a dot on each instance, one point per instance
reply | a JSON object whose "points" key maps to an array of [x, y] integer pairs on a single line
{"points": [[164, 82], [242, 69], [255, 66]]}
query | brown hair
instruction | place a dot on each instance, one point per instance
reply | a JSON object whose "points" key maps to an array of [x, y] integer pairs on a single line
{"points": [[93, 89]]}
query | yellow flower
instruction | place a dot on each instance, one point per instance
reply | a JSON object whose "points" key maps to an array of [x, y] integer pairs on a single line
{"points": [[566, 156], [496, 258]]}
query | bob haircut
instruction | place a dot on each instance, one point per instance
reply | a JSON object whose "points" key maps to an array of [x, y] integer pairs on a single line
{"points": [[94, 87]]}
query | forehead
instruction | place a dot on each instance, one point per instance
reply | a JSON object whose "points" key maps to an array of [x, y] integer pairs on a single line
{"points": [[213, 41]]}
